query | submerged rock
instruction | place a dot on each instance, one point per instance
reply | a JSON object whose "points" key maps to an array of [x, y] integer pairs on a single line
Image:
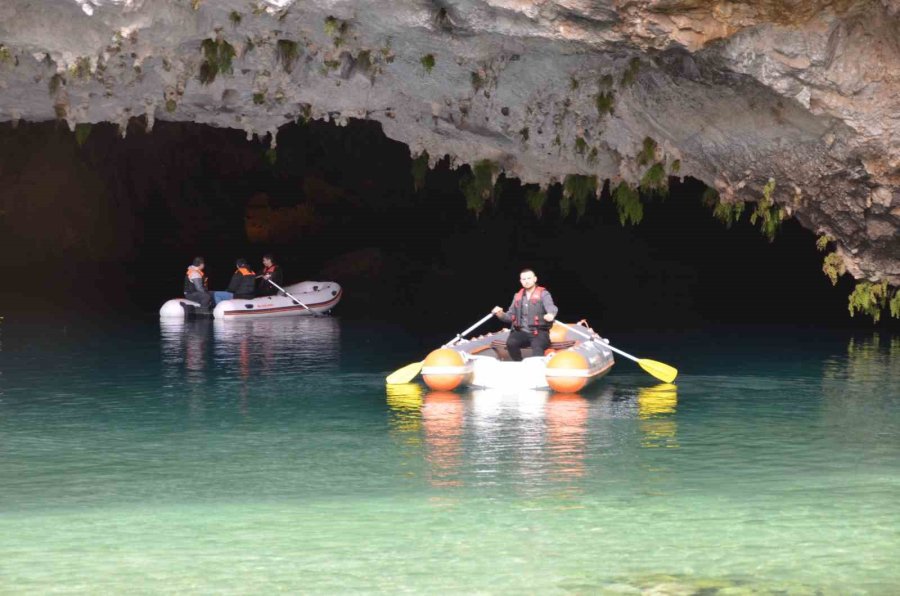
{"points": [[791, 106]]}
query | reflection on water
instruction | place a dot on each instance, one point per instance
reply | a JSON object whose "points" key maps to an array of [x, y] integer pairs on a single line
{"points": [[862, 390], [185, 349], [272, 346], [266, 346], [442, 419], [656, 410], [405, 403], [242, 351], [300, 477], [870, 359], [567, 416], [485, 436]]}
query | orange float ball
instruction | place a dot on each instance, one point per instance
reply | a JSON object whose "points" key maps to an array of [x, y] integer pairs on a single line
{"points": [[558, 333], [567, 360], [444, 380]]}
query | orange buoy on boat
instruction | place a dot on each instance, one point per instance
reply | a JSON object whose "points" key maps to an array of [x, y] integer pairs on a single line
{"points": [[567, 371], [445, 369]]}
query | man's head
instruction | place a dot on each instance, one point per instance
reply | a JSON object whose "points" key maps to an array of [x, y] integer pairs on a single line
{"points": [[527, 278], [268, 260], [199, 263], [240, 263]]}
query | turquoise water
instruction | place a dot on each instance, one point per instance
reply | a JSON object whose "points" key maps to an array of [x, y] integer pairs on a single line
{"points": [[258, 457]]}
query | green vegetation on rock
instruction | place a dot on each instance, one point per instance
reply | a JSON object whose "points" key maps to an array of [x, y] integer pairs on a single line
{"points": [[628, 204], [82, 132], [655, 180], [171, 105], [82, 68], [647, 154], [419, 170], [478, 187], [630, 74], [56, 81], [336, 29], [305, 113], [727, 213], [536, 198], [577, 190], [5, 55], [427, 62], [235, 18], [259, 98], [217, 57], [287, 52], [870, 299], [580, 145], [605, 102], [767, 213], [477, 81], [833, 266], [823, 241]]}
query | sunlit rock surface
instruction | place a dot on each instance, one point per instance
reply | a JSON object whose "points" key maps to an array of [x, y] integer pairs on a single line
{"points": [[800, 95]]}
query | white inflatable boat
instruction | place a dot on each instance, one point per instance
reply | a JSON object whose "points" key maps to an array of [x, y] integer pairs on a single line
{"points": [[319, 296], [483, 362]]}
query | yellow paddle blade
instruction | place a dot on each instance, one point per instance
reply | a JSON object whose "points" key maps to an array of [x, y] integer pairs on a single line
{"points": [[405, 374], [661, 371]]}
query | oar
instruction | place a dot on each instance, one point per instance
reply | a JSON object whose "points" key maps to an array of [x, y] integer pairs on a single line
{"points": [[292, 297], [408, 372], [660, 370]]}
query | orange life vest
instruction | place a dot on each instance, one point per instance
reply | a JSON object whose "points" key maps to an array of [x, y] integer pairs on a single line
{"points": [[189, 284]]}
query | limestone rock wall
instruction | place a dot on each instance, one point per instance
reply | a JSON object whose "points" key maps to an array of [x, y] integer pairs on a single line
{"points": [[792, 105]]}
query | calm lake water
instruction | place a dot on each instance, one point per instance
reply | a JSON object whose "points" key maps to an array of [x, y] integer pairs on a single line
{"points": [[266, 456]]}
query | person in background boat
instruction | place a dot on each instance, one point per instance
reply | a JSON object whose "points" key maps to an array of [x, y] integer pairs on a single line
{"points": [[272, 271], [196, 284], [530, 315], [242, 284]]}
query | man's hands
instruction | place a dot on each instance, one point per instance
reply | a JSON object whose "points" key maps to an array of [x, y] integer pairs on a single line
{"points": [[549, 317], [497, 311]]}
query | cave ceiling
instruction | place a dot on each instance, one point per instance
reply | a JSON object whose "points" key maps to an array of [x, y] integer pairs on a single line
{"points": [[791, 107]]}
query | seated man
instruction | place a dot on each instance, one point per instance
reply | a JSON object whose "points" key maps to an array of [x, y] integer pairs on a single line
{"points": [[270, 271], [196, 284], [531, 315], [242, 284]]}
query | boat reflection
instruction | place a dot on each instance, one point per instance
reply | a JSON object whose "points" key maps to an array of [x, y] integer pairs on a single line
{"points": [[442, 419], [277, 345], [531, 438], [567, 417], [656, 412], [185, 349], [203, 351]]}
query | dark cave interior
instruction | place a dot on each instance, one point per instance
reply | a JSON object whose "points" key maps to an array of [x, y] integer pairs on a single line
{"points": [[96, 222]]}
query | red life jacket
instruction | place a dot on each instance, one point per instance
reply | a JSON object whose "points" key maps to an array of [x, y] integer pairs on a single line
{"points": [[536, 304], [269, 270], [244, 271]]}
